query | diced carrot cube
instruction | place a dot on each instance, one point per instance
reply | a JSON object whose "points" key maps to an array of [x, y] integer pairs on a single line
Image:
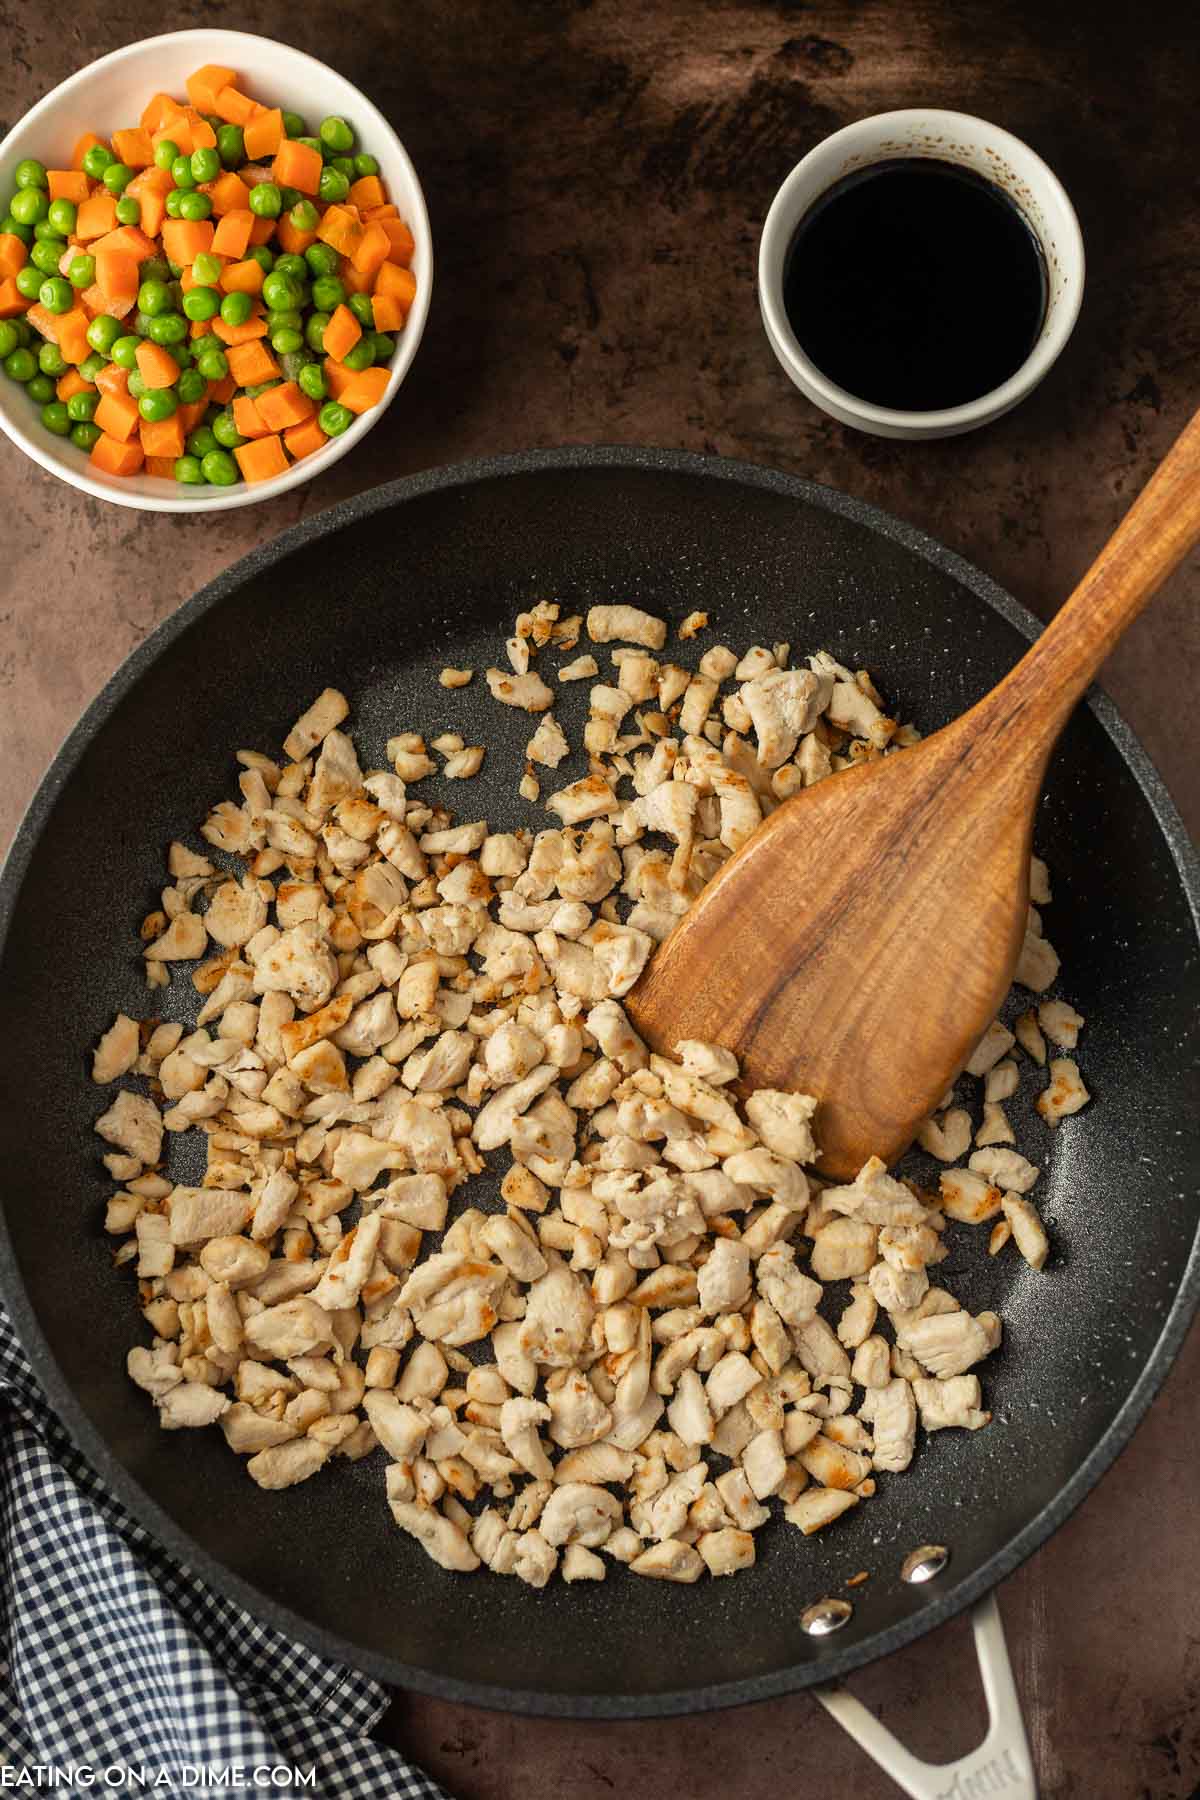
{"points": [[262, 231], [94, 300], [82, 147], [282, 406], [229, 194], [261, 459], [251, 363], [163, 437], [116, 457], [176, 130], [203, 135], [13, 255], [162, 466], [302, 440], [116, 274], [263, 135], [72, 335], [232, 235], [70, 384], [342, 333], [294, 242], [67, 184], [387, 312], [371, 213], [297, 165], [243, 277], [190, 413], [365, 389], [112, 379], [336, 377], [133, 147], [356, 281], [156, 366], [233, 107], [222, 392], [129, 238], [12, 301], [368, 190], [203, 85], [117, 414], [43, 321], [401, 241], [232, 335], [247, 417], [157, 111], [95, 216], [373, 249], [399, 283], [183, 240], [340, 228]]}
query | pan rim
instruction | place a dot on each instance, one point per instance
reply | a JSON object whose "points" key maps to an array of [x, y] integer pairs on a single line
{"points": [[179, 1543]]}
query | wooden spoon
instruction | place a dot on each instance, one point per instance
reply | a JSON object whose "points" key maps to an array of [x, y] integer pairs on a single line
{"points": [[862, 940]]}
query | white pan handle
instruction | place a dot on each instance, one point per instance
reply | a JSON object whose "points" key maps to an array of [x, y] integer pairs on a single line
{"points": [[1000, 1767]]}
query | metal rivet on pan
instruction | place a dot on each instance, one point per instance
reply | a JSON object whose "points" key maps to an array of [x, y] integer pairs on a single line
{"points": [[925, 1563], [824, 1616]]}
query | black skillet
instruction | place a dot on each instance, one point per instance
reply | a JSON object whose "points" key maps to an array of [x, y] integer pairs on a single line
{"points": [[375, 596]]}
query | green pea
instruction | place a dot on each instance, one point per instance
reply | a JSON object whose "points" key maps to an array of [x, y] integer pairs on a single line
{"points": [[219, 469], [85, 436], [91, 366], [314, 143], [166, 154], [201, 441], [289, 197], [294, 267], [188, 470], [206, 163], [55, 417], [29, 173], [157, 404], [231, 146], [20, 364], [365, 164], [194, 206], [304, 216], [262, 256], [183, 353], [117, 177], [292, 361], [360, 355], [141, 324], [327, 292], [266, 202], [137, 384], [280, 292], [226, 432], [293, 125], [314, 331], [29, 279], [322, 259], [40, 390], [103, 332], [123, 350], [364, 312], [47, 255], [129, 210], [344, 166], [336, 134], [213, 120], [24, 331], [334, 418], [333, 185], [236, 308], [156, 268], [81, 270], [82, 406], [202, 303], [14, 228], [29, 205], [207, 269], [168, 328], [8, 338], [191, 386], [56, 295], [286, 340], [51, 360], [312, 381], [213, 365], [96, 160], [153, 297], [283, 317], [172, 203], [61, 214], [181, 173]]}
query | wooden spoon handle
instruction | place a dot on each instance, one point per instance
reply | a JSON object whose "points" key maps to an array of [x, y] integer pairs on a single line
{"points": [[1153, 538]]}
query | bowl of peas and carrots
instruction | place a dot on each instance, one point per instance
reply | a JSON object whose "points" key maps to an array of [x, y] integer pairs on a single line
{"points": [[215, 268]]}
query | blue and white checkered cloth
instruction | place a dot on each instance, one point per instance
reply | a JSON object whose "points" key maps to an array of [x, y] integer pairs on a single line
{"points": [[114, 1657]]}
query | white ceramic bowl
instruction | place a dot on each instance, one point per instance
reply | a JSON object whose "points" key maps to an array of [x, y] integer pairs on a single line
{"points": [[112, 93], [951, 137]]}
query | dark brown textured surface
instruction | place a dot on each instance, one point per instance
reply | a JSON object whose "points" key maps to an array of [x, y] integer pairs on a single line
{"points": [[596, 177]]}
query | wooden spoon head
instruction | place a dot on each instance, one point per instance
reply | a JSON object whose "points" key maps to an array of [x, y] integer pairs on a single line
{"points": [[860, 943]]}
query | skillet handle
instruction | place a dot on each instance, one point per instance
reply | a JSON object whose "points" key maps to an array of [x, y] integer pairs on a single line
{"points": [[1000, 1766]]}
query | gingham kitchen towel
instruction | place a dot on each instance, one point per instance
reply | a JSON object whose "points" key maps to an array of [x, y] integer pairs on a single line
{"points": [[115, 1659]]}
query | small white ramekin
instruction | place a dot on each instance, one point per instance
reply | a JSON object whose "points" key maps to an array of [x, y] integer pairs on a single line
{"points": [[111, 93], [951, 137]]}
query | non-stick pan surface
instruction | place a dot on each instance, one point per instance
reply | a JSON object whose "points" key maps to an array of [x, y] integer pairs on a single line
{"points": [[374, 597]]}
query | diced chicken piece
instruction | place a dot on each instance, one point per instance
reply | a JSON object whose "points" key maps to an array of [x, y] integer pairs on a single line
{"points": [[300, 964], [1002, 1080], [818, 1507], [764, 1464], [731, 1379], [1006, 1168], [784, 1122], [875, 1197], [527, 691], [996, 1042], [1066, 1093], [946, 1343], [437, 1535], [1037, 965], [947, 1137], [294, 1328], [724, 1279], [558, 1319], [858, 1321], [519, 1422], [327, 711], [969, 1197], [872, 1365], [952, 1402], [626, 625], [897, 1290], [794, 1295], [1027, 1229], [894, 1426], [844, 1249], [286, 1464], [190, 1406], [994, 1127], [1060, 1023], [155, 1371], [183, 941], [669, 1560], [1029, 1036], [117, 1050], [494, 1122], [197, 1214], [784, 704], [689, 1414], [133, 1124], [577, 1512]]}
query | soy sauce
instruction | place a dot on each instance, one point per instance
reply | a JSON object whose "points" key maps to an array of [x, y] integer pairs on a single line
{"points": [[915, 284]]}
